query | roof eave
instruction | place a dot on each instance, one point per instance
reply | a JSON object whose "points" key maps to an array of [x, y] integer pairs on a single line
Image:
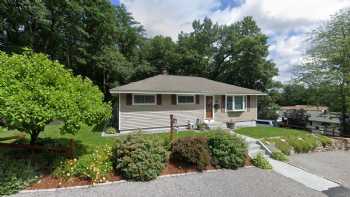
{"points": [[178, 92]]}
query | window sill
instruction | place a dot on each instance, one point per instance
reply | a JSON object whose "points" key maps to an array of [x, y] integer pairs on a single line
{"points": [[242, 110]]}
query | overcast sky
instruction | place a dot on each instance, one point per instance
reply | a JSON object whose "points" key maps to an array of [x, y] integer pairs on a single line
{"points": [[286, 22]]}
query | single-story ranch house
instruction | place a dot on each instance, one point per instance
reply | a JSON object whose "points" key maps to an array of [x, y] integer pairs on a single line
{"points": [[148, 104]]}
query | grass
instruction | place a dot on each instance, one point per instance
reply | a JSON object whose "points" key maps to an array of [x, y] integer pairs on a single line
{"points": [[266, 132], [91, 139], [287, 140]]}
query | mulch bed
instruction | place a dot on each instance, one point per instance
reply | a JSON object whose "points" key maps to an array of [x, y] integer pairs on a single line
{"points": [[49, 182]]}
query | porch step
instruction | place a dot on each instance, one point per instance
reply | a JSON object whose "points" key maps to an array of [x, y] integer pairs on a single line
{"points": [[213, 125]]}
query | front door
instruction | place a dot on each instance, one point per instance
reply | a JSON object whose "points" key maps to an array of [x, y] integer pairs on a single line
{"points": [[209, 107]]}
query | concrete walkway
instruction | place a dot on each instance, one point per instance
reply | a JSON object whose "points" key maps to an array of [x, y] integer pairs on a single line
{"points": [[299, 175], [309, 180]]}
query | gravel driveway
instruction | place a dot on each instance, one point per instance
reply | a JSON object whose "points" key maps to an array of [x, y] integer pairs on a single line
{"points": [[332, 165], [243, 182]]}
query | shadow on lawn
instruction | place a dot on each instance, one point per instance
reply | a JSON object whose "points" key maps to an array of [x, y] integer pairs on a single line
{"points": [[44, 160]]}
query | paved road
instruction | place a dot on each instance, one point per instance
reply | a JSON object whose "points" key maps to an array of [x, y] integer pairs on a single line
{"points": [[247, 182], [332, 165]]}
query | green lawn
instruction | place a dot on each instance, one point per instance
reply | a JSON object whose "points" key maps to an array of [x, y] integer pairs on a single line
{"points": [[89, 139], [265, 132]]}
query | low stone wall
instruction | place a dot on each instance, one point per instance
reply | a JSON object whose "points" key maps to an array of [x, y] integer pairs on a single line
{"points": [[339, 143]]}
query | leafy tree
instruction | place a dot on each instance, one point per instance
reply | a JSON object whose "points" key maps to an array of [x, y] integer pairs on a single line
{"points": [[161, 53], [329, 61], [82, 35], [196, 49], [35, 91]]}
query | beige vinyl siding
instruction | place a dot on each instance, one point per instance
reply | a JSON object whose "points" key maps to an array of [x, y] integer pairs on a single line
{"points": [[134, 117], [247, 115]]}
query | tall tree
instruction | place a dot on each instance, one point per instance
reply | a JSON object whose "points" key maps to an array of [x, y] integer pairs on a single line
{"points": [[161, 53], [93, 38], [329, 60], [242, 57]]}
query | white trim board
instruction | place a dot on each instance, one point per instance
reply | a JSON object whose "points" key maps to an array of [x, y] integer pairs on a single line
{"points": [[198, 93]]}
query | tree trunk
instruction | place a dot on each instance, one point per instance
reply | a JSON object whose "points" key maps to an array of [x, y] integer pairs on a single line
{"points": [[343, 110], [34, 136]]}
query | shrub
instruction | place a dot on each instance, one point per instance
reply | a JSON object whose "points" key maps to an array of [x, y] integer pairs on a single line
{"points": [[111, 130], [139, 159], [16, 175], [280, 144], [95, 166], [227, 151], [192, 150], [65, 169], [325, 141], [261, 162], [279, 156], [302, 144]]}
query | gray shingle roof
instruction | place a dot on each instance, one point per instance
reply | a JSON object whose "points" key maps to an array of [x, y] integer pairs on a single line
{"points": [[182, 84], [329, 117]]}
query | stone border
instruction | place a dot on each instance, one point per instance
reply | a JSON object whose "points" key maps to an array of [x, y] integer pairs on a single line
{"points": [[121, 181]]}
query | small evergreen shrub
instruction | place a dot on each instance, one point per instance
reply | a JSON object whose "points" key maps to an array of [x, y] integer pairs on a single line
{"points": [[192, 150], [227, 151], [261, 162], [279, 156], [16, 175], [139, 159]]}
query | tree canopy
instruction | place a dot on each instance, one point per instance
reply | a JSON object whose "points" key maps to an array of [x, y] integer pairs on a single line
{"points": [[106, 44], [328, 63], [35, 91]]}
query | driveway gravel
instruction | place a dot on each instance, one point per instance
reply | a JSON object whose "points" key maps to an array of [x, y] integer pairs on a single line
{"points": [[331, 165], [247, 182]]}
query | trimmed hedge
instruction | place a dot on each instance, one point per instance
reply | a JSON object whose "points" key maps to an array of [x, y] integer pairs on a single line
{"points": [[192, 150], [227, 151], [139, 159]]}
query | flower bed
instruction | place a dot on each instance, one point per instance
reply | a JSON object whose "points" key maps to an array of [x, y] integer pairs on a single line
{"points": [[140, 158]]}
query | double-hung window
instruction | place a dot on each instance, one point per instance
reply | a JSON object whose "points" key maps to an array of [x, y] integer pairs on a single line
{"points": [[144, 99], [185, 99], [235, 103]]}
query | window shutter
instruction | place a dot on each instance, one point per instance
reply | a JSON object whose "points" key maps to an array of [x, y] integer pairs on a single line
{"points": [[197, 99], [223, 103], [128, 99], [248, 103], [159, 99], [173, 99]]}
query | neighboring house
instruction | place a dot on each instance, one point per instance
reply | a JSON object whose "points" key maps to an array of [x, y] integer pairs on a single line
{"points": [[304, 107], [324, 122], [148, 104]]}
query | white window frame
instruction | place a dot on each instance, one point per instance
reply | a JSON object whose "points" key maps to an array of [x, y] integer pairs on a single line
{"points": [[233, 104], [178, 103], [154, 95]]}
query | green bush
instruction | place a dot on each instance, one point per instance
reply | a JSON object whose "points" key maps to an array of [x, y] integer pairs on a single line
{"points": [[279, 156], [280, 144], [303, 144], [227, 151], [111, 130], [139, 159], [95, 166], [261, 162], [192, 150], [325, 141], [16, 175]]}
